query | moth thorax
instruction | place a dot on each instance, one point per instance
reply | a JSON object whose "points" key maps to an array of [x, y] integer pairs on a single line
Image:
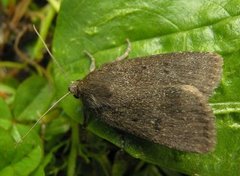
{"points": [[75, 88]]}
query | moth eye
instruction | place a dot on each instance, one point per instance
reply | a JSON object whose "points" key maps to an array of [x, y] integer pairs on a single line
{"points": [[76, 96]]}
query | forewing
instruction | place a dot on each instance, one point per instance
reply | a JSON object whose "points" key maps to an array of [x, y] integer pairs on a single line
{"points": [[201, 70], [162, 98], [175, 116]]}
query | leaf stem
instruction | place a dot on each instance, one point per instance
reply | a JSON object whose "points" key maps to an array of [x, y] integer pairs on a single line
{"points": [[44, 28], [74, 149], [11, 64], [226, 107]]}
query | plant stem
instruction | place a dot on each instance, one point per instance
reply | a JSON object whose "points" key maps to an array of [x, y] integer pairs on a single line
{"points": [[74, 149], [44, 28], [226, 107]]}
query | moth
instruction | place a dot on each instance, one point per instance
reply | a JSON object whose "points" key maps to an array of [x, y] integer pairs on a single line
{"points": [[161, 98]]}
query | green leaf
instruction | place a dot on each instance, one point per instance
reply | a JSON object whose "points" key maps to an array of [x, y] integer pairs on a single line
{"points": [[60, 125], [33, 98], [5, 116], [154, 27], [21, 159], [24, 158], [4, 109]]}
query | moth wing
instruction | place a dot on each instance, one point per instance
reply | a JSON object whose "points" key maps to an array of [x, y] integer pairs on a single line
{"points": [[162, 98], [199, 69], [175, 116]]}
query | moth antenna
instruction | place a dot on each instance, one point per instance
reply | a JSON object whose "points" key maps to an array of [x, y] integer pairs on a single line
{"points": [[122, 57], [127, 51], [49, 52], [54, 104], [93, 61]]}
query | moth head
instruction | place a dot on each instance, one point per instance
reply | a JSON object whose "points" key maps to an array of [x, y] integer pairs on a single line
{"points": [[75, 88]]}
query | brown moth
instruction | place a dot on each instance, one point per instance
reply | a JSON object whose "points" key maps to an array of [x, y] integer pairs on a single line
{"points": [[161, 98]]}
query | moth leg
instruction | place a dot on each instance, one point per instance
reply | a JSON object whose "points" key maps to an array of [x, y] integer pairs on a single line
{"points": [[93, 62], [125, 55]]}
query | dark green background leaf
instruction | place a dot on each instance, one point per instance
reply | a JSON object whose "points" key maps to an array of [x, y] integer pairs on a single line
{"points": [[33, 97], [18, 160], [153, 27]]}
